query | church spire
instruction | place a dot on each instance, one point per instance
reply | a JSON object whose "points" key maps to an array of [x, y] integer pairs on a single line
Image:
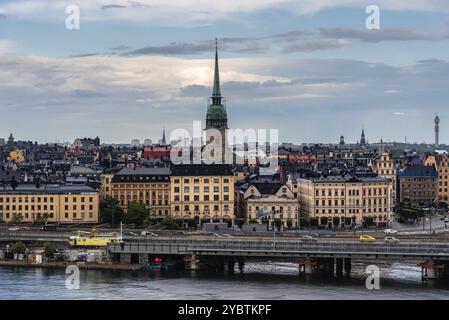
{"points": [[163, 136], [216, 93]]}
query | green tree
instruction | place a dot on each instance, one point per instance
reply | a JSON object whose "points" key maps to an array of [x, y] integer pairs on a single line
{"points": [[110, 211], [16, 218], [369, 221], [336, 221], [170, 223], [289, 223], [253, 220], [313, 222], [136, 214], [324, 221], [239, 222], [277, 222], [49, 249], [18, 248]]}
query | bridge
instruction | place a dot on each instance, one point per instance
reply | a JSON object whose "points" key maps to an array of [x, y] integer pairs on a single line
{"points": [[278, 248], [330, 256]]}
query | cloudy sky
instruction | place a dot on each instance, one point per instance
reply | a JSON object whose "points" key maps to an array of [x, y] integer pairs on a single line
{"points": [[309, 68]]}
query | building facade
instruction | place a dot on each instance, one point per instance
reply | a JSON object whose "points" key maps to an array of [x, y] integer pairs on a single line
{"points": [[56, 203], [151, 186], [344, 200], [418, 184], [385, 167], [268, 202], [204, 192]]}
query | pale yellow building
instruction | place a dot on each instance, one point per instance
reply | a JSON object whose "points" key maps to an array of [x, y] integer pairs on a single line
{"points": [[16, 156], [60, 203], [348, 199], [385, 167], [443, 179], [202, 191]]}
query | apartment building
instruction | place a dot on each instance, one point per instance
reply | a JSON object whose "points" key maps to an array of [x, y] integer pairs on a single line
{"points": [[343, 200], [200, 191], [57, 203], [150, 186]]}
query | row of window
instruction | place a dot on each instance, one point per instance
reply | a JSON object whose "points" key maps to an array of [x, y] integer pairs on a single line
{"points": [[206, 197], [350, 211], [196, 208], [206, 180], [356, 202], [27, 215], [351, 192], [197, 189], [39, 207]]}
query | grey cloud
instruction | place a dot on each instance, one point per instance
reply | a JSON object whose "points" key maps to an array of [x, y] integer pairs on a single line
{"points": [[377, 35], [113, 6], [314, 45], [173, 49]]}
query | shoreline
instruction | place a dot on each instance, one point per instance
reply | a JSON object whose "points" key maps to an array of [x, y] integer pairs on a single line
{"points": [[64, 264]]}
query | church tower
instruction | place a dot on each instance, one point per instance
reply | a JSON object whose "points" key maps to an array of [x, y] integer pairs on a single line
{"points": [[362, 138], [217, 118], [437, 131]]}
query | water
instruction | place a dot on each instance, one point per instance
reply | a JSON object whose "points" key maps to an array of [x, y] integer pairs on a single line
{"points": [[268, 280]]}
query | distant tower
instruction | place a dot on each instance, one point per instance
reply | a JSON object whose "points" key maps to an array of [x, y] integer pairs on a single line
{"points": [[10, 139], [437, 131], [163, 136], [362, 138], [342, 140]]}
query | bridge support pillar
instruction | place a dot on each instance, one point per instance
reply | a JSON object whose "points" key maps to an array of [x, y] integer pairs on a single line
{"points": [[192, 262], [229, 266], [241, 262], [339, 267], [432, 270], [308, 266], [348, 266]]}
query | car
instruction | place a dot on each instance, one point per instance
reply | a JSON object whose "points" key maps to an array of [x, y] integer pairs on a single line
{"points": [[24, 229], [14, 229], [391, 239], [446, 220], [390, 231], [214, 234], [366, 238], [308, 239], [180, 233]]}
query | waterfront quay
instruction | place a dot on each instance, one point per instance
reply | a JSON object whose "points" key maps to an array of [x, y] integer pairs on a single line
{"points": [[221, 253]]}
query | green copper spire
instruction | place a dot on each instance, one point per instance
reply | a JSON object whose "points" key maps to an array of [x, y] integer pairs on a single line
{"points": [[216, 113], [216, 93]]}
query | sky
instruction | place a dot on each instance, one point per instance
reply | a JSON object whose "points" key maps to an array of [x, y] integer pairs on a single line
{"points": [[309, 68]]}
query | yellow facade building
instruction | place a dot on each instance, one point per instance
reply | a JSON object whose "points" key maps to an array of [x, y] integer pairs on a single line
{"points": [[16, 156], [59, 203], [343, 200], [200, 191], [385, 167]]}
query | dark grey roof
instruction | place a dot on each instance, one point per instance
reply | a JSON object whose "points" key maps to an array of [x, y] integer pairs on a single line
{"points": [[202, 170], [348, 179], [268, 187], [47, 189], [155, 174]]}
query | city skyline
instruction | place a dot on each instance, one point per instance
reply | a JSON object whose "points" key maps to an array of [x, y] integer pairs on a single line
{"points": [[315, 73]]}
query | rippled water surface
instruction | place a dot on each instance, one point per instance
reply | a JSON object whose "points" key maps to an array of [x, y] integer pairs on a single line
{"points": [[269, 280]]}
